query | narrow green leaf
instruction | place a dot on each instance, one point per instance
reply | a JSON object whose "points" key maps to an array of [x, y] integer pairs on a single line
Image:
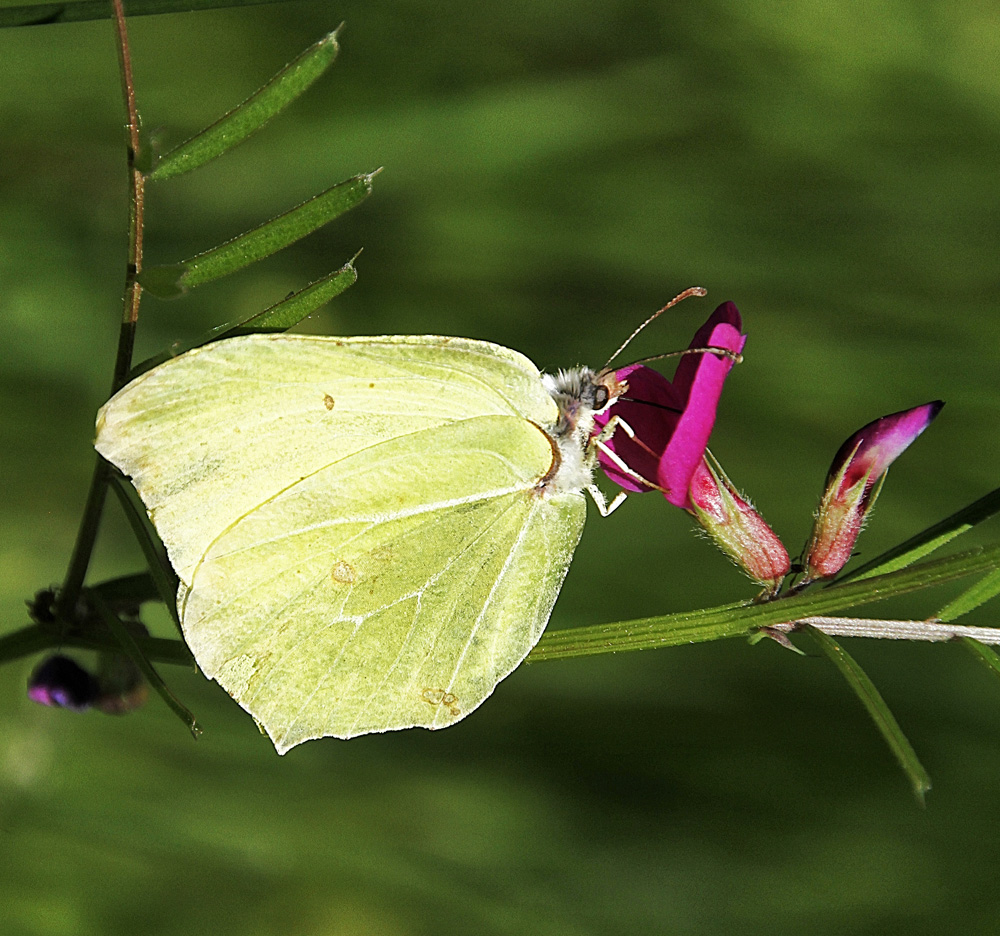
{"points": [[986, 655], [262, 241], [131, 648], [872, 700], [152, 548], [164, 281], [139, 587], [26, 641], [294, 308], [156, 649], [932, 538], [279, 317], [741, 619], [265, 103], [986, 588], [75, 11]]}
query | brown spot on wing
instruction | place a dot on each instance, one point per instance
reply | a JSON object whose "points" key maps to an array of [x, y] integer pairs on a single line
{"points": [[328, 401], [343, 572], [441, 697]]}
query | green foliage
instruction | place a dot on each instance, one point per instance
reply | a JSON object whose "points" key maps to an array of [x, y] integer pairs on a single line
{"points": [[925, 542], [127, 642], [830, 168], [986, 588], [162, 574], [741, 619], [873, 702], [986, 655]]}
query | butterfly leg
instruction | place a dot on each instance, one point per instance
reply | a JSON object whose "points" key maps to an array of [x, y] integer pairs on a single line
{"points": [[603, 507], [624, 469]]}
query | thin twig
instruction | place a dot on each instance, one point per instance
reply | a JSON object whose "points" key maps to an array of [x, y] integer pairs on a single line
{"points": [[133, 291], [87, 534], [891, 630]]}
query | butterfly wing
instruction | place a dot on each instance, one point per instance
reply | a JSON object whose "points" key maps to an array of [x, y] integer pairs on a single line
{"points": [[355, 522]]}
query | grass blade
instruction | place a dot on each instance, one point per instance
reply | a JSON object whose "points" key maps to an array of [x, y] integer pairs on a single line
{"points": [[133, 651], [986, 588], [924, 543], [884, 720], [741, 619], [152, 548], [262, 241], [139, 587], [986, 655], [28, 640], [247, 118]]}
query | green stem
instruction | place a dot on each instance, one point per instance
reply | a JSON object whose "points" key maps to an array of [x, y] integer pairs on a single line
{"points": [[131, 648], [84, 545]]}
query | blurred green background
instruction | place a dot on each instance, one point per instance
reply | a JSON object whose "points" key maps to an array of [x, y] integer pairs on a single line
{"points": [[554, 171]]}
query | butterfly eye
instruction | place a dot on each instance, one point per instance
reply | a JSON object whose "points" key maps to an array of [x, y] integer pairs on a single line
{"points": [[601, 397]]}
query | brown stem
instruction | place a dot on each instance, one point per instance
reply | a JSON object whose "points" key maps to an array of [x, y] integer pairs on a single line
{"points": [[87, 534], [133, 291]]}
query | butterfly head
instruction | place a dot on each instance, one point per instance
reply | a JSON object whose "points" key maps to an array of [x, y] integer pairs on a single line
{"points": [[579, 394]]}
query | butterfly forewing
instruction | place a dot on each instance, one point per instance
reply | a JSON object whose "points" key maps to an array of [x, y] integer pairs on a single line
{"points": [[214, 433]]}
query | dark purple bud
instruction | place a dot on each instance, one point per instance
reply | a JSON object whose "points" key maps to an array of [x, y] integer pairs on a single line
{"points": [[62, 682]]}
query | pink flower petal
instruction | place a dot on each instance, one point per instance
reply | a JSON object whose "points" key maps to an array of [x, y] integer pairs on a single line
{"points": [[881, 442], [710, 336], [706, 377], [653, 420], [851, 486]]}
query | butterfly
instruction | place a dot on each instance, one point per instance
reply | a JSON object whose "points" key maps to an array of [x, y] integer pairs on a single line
{"points": [[369, 532]]}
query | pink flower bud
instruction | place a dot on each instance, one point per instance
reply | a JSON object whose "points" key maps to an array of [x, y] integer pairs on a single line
{"points": [[671, 420], [736, 528], [853, 484]]}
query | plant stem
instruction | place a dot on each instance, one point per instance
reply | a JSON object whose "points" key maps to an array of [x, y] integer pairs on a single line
{"points": [[133, 291], [89, 524], [891, 630]]}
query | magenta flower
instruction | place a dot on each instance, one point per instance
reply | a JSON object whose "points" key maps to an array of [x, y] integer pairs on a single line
{"points": [[853, 484], [671, 420], [664, 439]]}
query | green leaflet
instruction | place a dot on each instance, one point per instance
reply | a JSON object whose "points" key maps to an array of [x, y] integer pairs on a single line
{"points": [[270, 237], [247, 118]]}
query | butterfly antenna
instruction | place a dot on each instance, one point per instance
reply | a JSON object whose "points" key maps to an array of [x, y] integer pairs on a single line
{"points": [[733, 356], [693, 291]]}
